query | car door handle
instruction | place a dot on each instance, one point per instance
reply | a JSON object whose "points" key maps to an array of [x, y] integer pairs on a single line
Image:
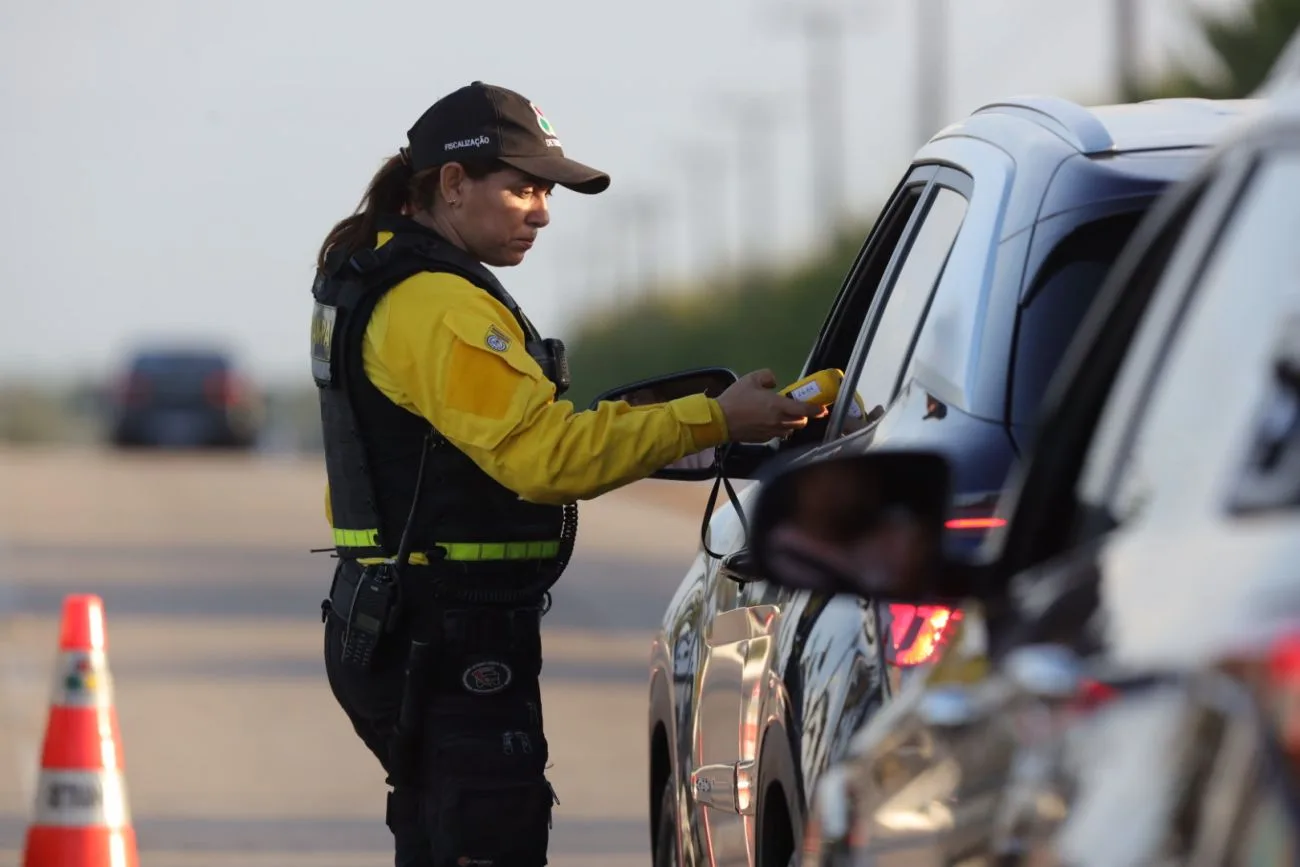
{"points": [[727, 787], [738, 566]]}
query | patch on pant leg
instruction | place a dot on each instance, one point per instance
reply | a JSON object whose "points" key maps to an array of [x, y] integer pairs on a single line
{"points": [[487, 677]]}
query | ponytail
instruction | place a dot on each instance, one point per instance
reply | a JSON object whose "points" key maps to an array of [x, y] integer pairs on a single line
{"points": [[392, 188], [387, 194]]}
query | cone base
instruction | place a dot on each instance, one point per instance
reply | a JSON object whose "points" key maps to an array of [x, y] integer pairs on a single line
{"points": [[80, 847]]}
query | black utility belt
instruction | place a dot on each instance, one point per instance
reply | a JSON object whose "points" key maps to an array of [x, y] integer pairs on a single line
{"points": [[480, 649], [351, 577], [421, 587]]}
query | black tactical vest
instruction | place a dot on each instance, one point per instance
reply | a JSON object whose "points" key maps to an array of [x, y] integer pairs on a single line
{"points": [[465, 522]]}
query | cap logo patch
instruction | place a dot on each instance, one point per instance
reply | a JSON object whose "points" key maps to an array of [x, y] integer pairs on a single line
{"points": [[496, 340], [542, 121], [477, 142]]}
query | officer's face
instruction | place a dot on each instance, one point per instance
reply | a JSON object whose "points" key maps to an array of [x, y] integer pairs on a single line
{"points": [[500, 215]]}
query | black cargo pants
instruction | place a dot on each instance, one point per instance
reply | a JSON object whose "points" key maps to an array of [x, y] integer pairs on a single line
{"points": [[478, 796]]}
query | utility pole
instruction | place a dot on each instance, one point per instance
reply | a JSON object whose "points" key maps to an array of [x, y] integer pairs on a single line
{"points": [[932, 67], [706, 225], [1126, 47], [593, 280], [823, 27], [618, 239], [757, 171], [642, 220], [630, 248]]}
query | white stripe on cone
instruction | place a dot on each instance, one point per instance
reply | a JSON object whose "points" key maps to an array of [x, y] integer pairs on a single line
{"points": [[81, 799]]}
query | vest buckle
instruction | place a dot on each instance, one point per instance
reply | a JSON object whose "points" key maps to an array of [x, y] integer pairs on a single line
{"points": [[364, 260]]}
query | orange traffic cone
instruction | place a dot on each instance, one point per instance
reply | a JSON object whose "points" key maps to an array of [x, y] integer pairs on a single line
{"points": [[81, 816]]}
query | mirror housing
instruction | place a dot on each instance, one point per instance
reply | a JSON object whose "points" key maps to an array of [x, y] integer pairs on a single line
{"points": [[711, 381], [868, 524]]}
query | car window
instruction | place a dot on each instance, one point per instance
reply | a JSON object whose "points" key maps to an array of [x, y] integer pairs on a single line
{"points": [[1198, 413], [890, 335], [1128, 346], [1053, 498], [1067, 286], [843, 333], [839, 333]]}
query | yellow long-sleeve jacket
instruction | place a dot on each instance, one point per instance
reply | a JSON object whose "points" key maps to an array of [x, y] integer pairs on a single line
{"points": [[426, 348]]}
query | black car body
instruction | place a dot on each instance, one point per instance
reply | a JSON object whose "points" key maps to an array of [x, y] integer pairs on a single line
{"points": [[948, 327], [183, 398]]}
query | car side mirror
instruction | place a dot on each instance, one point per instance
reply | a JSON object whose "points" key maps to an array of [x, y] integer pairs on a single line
{"points": [[869, 524], [710, 381]]}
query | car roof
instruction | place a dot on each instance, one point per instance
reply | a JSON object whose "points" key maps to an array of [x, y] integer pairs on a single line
{"points": [[162, 356], [1171, 123], [1160, 124], [1114, 150]]}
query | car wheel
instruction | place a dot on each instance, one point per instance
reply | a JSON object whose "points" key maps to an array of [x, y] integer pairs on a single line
{"points": [[778, 844], [666, 833]]}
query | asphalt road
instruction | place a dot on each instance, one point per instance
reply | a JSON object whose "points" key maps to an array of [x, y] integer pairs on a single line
{"points": [[235, 751]]}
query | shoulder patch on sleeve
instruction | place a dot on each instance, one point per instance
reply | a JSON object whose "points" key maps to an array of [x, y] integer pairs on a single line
{"points": [[497, 340], [487, 391], [491, 340]]}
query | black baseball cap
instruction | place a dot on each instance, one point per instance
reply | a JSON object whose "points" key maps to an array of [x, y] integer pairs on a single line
{"points": [[482, 121]]}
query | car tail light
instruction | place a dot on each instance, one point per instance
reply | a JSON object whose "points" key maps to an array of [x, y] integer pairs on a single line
{"points": [[1282, 684], [975, 523], [975, 515], [1093, 694], [918, 632], [1272, 673], [133, 390], [222, 389]]}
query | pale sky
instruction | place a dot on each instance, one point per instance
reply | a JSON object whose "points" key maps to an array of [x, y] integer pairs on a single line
{"points": [[169, 168]]}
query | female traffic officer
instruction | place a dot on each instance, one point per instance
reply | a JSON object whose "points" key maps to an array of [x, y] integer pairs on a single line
{"points": [[454, 470]]}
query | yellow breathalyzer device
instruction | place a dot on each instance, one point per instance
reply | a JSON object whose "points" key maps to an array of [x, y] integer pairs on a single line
{"points": [[820, 388]]}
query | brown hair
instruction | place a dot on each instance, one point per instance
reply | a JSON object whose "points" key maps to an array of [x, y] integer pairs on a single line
{"points": [[393, 188]]}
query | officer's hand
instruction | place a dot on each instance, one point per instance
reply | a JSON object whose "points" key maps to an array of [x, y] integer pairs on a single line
{"points": [[755, 412]]}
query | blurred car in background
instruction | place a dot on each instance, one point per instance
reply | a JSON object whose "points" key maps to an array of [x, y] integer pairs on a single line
{"points": [[183, 398]]}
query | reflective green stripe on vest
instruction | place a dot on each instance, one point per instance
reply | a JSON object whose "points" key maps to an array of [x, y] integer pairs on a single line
{"points": [[356, 538], [460, 550], [500, 550]]}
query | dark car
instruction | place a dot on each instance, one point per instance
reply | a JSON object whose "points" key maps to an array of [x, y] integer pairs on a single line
{"points": [[183, 398], [1152, 531], [948, 328]]}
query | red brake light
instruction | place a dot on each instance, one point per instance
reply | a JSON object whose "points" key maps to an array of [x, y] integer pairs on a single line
{"points": [[133, 390], [1272, 672], [1284, 661], [974, 523], [1093, 694], [1284, 692], [222, 389], [917, 632]]}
